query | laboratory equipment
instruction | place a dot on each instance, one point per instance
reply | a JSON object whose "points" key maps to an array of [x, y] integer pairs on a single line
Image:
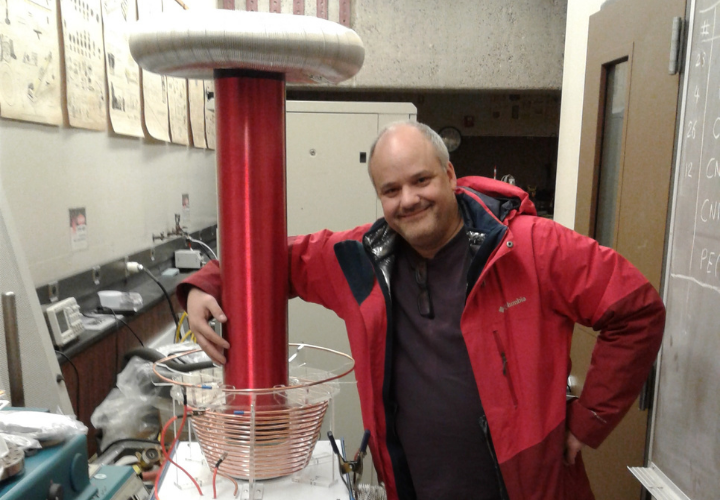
{"points": [[64, 321]]}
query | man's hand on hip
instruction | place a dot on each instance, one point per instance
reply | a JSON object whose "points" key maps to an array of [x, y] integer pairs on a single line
{"points": [[200, 308], [572, 447]]}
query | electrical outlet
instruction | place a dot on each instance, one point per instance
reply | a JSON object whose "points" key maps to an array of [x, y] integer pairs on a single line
{"points": [[53, 291], [96, 275]]}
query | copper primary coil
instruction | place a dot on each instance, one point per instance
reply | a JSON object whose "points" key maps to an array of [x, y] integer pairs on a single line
{"points": [[266, 433]]}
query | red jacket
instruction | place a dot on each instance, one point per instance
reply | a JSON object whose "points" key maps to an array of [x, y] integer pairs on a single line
{"points": [[531, 280]]}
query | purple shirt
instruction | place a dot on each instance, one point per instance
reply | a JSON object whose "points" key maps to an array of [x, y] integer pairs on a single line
{"points": [[433, 383]]}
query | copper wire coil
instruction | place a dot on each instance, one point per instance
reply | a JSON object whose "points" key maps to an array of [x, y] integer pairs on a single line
{"points": [[280, 443], [266, 433]]}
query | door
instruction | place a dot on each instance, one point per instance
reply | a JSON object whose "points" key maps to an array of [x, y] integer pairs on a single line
{"points": [[626, 156]]}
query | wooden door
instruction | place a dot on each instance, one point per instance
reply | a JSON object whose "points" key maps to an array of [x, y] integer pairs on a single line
{"points": [[626, 156]]}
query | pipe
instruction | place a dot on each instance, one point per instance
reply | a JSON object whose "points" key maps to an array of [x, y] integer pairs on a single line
{"points": [[12, 345]]}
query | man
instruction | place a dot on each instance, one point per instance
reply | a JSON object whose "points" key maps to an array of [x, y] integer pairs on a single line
{"points": [[460, 305]]}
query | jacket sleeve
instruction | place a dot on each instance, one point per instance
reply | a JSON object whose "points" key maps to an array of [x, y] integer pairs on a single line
{"points": [[206, 279], [314, 270], [315, 274], [595, 286]]}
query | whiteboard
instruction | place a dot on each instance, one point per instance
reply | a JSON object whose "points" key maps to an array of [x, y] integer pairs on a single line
{"points": [[685, 441]]}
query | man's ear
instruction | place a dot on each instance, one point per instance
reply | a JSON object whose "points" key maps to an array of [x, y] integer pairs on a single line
{"points": [[450, 171]]}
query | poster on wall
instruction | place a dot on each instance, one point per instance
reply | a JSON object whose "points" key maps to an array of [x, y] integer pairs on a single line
{"points": [[178, 109], [177, 95], [186, 219], [196, 89], [196, 96], [210, 113], [154, 86], [123, 73], [84, 63], [78, 229], [30, 86]]}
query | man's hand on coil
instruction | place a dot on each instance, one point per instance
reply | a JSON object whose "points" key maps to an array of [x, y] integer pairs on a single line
{"points": [[572, 447], [200, 308]]}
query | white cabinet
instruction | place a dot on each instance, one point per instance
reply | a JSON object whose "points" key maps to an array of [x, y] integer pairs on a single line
{"points": [[328, 187]]}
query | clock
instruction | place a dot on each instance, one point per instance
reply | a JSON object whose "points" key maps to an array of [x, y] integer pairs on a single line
{"points": [[451, 137]]}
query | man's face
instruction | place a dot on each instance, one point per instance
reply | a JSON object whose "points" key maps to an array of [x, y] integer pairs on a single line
{"points": [[417, 195]]}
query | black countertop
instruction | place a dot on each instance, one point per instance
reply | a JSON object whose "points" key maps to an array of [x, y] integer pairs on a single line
{"points": [[147, 288]]}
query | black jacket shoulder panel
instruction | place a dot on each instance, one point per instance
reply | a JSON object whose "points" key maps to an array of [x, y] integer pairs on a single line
{"points": [[356, 267]]}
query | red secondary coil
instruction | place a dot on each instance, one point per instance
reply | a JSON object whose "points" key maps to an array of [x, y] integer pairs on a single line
{"points": [[252, 224]]}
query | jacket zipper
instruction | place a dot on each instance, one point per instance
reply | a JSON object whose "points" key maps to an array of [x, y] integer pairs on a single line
{"points": [[505, 370], [491, 449]]}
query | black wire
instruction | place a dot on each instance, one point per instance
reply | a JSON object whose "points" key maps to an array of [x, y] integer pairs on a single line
{"points": [[131, 440], [119, 319], [131, 330], [77, 379], [172, 309]]}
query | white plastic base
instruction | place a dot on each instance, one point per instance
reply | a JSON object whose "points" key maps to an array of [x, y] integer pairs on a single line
{"points": [[318, 481]]}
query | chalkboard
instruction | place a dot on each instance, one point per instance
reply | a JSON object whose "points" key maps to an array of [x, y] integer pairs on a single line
{"points": [[685, 442]]}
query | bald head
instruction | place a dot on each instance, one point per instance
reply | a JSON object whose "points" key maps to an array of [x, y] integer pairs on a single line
{"points": [[435, 141]]}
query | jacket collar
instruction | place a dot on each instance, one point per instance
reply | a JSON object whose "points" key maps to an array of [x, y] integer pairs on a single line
{"points": [[482, 214]]}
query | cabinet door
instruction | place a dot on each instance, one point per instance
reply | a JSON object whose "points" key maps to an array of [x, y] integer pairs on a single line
{"points": [[328, 187]]}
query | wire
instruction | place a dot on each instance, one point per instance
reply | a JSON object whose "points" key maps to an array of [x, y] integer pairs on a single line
{"points": [[207, 248], [189, 333], [215, 472], [179, 326], [77, 379], [166, 453], [131, 330], [118, 319], [172, 309], [227, 476]]}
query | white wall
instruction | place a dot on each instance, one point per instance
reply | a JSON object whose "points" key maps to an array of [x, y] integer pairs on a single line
{"points": [[573, 88], [131, 188]]}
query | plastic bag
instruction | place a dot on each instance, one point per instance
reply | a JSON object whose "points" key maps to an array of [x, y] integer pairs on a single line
{"points": [[137, 381], [22, 442], [40, 425], [123, 417]]}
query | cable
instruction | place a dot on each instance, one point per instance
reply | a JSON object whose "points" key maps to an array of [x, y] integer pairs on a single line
{"points": [[131, 330], [118, 319], [189, 333], [179, 326], [207, 248], [77, 379], [215, 472], [172, 309], [227, 476], [166, 453]]}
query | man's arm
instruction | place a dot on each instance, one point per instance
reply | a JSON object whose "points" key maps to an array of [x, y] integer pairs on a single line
{"points": [[200, 296], [595, 286], [309, 257]]}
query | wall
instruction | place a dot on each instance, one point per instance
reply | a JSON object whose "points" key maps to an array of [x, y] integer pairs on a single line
{"points": [[131, 188], [573, 88], [463, 44]]}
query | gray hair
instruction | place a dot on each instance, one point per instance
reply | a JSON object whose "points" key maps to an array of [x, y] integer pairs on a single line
{"points": [[435, 140]]}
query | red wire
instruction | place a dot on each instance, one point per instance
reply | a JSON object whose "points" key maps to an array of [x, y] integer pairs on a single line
{"points": [[230, 478], [172, 446], [214, 476]]}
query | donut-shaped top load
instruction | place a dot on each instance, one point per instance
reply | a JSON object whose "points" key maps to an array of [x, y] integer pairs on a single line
{"points": [[193, 43]]}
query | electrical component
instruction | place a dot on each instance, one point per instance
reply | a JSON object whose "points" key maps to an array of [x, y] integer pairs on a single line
{"points": [[64, 321], [188, 259], [120, 301]]}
